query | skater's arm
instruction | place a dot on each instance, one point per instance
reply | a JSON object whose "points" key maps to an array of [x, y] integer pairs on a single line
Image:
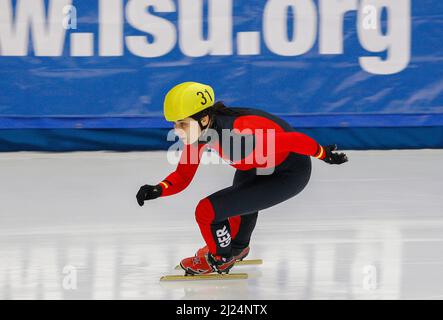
{"points": [[273, 142], [299, 143], [276, 142], [178, 180], [303, 144]]}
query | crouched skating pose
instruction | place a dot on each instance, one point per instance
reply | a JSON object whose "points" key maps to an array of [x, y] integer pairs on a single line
{"points": [[272, 160]]}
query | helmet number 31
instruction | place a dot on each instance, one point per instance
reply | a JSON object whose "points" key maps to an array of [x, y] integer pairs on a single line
{"points": [[204, 99]]}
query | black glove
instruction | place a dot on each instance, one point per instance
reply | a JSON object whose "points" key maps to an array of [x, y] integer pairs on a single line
{"points": [[334, 157], [148, 192]]}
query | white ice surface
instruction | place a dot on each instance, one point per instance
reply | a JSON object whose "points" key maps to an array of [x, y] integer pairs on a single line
{"points": [[70, 228]]}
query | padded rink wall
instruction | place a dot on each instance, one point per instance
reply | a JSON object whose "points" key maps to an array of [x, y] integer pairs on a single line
{"points": [[92, 74]]}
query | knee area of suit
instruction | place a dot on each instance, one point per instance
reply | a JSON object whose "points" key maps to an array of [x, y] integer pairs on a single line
{"points": [[204, 212]]}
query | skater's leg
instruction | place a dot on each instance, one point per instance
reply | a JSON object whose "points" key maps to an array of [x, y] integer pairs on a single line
{"points": [[261, 192], [243, 236], [242, 226], [234, 224]]}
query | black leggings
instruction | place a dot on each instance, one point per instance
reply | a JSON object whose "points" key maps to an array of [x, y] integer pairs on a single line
{"points": [[250, 193]]}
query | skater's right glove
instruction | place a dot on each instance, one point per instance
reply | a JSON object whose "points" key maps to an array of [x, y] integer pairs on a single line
{"points": [[148, 192]]}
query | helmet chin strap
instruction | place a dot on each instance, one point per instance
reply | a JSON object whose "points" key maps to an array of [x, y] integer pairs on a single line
{"points": [[203, 128], [201, 125]]}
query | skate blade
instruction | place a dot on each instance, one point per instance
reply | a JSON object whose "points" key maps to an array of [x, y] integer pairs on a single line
{"points": [[249, 262], [237, 263], [211, 276]]}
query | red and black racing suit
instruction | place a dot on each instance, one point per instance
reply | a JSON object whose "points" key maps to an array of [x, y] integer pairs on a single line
{"points": [[227, 217]]}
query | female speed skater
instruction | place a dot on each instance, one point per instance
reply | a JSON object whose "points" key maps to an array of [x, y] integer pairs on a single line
{"points": [[272, 164]]}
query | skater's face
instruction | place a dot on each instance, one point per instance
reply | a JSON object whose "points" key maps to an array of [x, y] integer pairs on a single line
{"points": [[188, 129]]}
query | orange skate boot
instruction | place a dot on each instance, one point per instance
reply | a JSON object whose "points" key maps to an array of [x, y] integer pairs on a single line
{"points": [[207, 264], [239, 254]]}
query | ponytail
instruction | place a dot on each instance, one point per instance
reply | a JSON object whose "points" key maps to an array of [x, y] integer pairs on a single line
{"points": [[219, 108]]}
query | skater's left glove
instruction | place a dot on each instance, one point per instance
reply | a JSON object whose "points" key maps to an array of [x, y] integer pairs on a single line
{"points": [[327, 155], [148, 192]]}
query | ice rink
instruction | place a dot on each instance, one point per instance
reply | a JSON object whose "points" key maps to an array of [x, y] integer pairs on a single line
{"points": [[70, 228]]}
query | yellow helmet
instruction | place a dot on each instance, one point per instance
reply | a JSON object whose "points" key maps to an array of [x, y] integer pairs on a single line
{"points": [[187, 99]]}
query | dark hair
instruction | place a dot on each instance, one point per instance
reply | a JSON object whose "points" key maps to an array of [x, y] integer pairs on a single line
{"points": [[219, 108]]}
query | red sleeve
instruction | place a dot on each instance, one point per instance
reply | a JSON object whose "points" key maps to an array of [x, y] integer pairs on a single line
{"points": [[292, 141], [184, 173], [299, 143]]}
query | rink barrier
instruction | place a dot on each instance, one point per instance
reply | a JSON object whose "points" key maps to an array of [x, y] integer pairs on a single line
{"points": [[356, 138], [296, 120]]}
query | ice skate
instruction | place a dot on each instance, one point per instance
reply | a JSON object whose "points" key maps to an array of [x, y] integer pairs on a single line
{"points": [[238, 256], [206, 267], [207, 264]]}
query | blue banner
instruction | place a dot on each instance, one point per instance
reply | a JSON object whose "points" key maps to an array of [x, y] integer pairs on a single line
{"points": [[101, 64]]}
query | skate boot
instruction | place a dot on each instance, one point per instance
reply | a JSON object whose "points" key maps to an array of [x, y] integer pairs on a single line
{"points": [[207, 264], [239, 254], [202, 251]]}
